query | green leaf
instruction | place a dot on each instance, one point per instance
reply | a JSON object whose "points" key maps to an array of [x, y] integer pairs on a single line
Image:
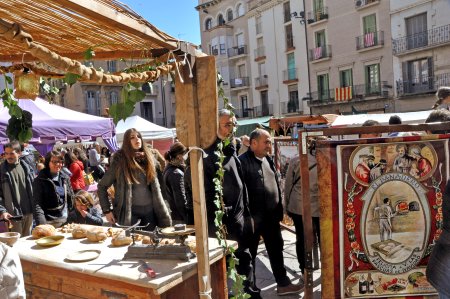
{"points": [[15, 111], [136, 95], [71, 78], [8, 80], [89, 53]]}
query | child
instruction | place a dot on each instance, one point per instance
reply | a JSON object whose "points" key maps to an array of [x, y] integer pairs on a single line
{"points": [[414, 171], [84, 211]]}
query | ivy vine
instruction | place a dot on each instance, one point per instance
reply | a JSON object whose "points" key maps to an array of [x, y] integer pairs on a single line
{"points": [[221, 233]]}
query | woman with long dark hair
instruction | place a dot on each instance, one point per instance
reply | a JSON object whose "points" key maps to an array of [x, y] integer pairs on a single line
{"points": [[76, 168], [137, 190]]}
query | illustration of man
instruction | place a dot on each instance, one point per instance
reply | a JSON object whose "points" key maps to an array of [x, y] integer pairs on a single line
{"points": [[378, 170], [362, 170], [385, 215], [423, 164], [402, 162]]}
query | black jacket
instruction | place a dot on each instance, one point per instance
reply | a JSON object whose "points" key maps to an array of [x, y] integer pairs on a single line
{"points": [[174, 192], [47, 204], [252, 171], [234, 191], [25, 207]]}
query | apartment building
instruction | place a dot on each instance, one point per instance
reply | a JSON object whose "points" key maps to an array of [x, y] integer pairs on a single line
{"points": [[158, 106], [224, 34], [421, 49], [262, 61], [350, 56]]}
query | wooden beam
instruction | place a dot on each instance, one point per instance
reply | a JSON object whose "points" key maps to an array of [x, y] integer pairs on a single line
{"points": [[102, 13], [105, 55]]}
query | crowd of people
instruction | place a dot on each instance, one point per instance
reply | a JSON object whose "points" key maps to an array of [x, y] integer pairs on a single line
{"points": [[156, 190]]}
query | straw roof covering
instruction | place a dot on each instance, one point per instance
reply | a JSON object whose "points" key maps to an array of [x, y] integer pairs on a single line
{"points": [[69, 27]]}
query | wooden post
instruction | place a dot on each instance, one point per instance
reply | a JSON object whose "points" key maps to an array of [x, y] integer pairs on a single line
{"points": [[307, 220], [197, 127]]}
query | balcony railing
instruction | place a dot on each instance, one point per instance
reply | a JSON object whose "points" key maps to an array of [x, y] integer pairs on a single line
{"points": [[358, 92], [261, 81], [263, 110], [290, 74], [260, 52], [318, 15], [426, 39], [239, 82], [241, 50], [362, 3], [371, 39], [252, 4], [290, 107], [422, 84], [320, 53], [240, 113]]}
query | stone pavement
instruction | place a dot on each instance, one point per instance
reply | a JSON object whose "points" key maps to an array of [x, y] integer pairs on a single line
{"points": [[264, 278]]}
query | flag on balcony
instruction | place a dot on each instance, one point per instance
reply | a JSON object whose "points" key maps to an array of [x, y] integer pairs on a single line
{"points": [[369, 39], [317, 53], [343, 93]]}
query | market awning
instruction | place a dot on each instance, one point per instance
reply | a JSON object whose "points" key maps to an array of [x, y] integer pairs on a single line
{"points": [[246, 126]]}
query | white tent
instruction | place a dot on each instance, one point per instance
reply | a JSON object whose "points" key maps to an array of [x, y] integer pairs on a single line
{"points": [[417, 117], [149, 130]]}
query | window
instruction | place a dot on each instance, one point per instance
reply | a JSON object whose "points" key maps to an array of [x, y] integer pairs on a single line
{"points": [[369, 24], [346, 78], [208, 24], [416, 31], [229, 15], [323, 89], [293, 103], [241, 71], [291, 71], [264, 103], [92, 103], [418, 75], [320, 38], [214, 50], [111, 65], [113, 98], [147, 110], [240, 10], [258, 25], [222, 49], [287, 11], [372, 74], [318, 9], [289, 37], [240, 40], [244, 105], [262, 69], [220, 20]]}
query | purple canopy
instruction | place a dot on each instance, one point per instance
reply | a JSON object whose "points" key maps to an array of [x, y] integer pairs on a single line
{"points": [[52, 123]]}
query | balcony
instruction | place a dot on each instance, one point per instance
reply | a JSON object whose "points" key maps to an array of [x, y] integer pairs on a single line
{"points": [[317, 15], [243, 113], [422, 85], [252, 4], [261, 82], [359, 92], [321, 52], [360, 4], [239, 82], [290, 75], [423, 40], [260, 53], [370, 40], [262, 110], [290, 107], [236, 51]]}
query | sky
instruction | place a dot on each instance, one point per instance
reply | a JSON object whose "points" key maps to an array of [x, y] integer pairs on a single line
{"points": [[178, 18]]}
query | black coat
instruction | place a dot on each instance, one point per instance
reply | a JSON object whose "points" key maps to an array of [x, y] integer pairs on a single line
{"points": [[252, 171], [234, 192], [47, 204], [173, 178]]}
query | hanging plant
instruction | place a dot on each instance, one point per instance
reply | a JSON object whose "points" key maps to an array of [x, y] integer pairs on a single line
{"points": [[131, 94], [238, 280], [20, 124]]}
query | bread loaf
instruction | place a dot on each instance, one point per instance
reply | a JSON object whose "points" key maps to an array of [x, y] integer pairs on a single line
{"points": [[96, 234], [43, 230], [121, 239], [79, 231]]}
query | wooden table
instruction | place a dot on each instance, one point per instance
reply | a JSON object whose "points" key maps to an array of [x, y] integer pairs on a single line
{"points": [[48, 274]]}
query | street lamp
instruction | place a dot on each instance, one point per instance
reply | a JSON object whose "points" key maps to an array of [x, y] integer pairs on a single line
{"points": [[301, 16]]}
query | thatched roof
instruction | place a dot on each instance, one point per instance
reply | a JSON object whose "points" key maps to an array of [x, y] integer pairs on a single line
{"points": [[69, 27]]}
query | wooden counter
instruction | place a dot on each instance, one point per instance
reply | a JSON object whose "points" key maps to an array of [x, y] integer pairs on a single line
{"points": [[48, 274]]}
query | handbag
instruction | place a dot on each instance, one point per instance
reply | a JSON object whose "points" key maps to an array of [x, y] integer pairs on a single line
{"points": [[88, 178]]}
